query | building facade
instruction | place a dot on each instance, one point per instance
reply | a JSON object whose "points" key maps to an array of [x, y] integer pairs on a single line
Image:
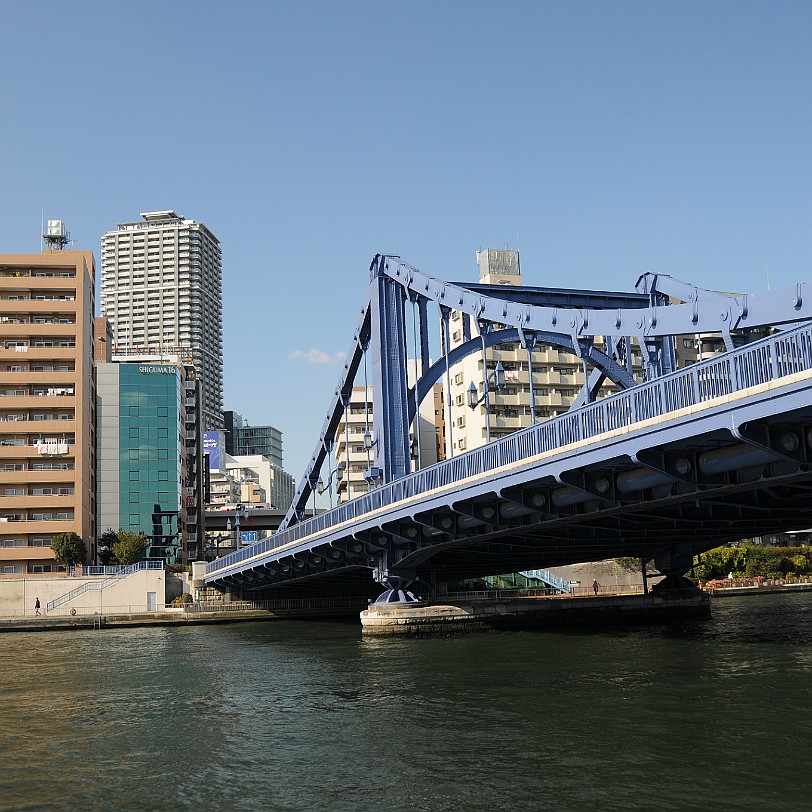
{"points": [[261, 481], [244, 440], [354, 449], [557, 375], [161, 290], [142, 454], [47, 406]]}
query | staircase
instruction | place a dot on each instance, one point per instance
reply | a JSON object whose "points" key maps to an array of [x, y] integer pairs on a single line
{"points": [[548, 579], [88, 586]]}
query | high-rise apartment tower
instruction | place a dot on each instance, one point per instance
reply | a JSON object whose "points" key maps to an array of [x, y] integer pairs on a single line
{"points": [[162, 291]]}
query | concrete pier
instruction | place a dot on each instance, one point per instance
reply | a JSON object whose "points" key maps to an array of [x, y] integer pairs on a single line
{"points": [[463, 616]]}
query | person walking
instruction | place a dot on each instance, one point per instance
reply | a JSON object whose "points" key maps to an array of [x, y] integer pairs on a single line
{"points": [[36, 605], [595, 586]]}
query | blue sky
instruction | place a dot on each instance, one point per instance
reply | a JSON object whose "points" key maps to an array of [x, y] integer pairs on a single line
{"points": [[607, 139]]}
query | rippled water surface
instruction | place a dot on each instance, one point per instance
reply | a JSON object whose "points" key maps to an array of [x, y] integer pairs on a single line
{"points": [[308, 716]]}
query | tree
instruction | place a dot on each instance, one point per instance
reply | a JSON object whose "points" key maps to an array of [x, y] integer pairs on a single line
{"points": [[130, 547], [69, 549], [104, 547]]}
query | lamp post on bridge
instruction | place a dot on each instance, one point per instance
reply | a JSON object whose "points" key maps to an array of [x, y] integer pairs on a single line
{"points": [[338, 472], [474, 398], [371, 474], [239, 513]]}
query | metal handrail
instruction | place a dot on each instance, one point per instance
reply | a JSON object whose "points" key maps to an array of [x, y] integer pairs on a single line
{"points": [[547, 577], [754, 364]]}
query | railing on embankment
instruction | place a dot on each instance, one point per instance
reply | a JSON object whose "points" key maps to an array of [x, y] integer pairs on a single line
{"points": [[754, 364], [284, 604], [89, 586]]}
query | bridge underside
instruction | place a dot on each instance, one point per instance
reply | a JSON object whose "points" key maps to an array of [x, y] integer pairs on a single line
{"points": [[670, 524], [665, 494]]}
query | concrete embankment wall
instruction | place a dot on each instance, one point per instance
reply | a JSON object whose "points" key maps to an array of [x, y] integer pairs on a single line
{"points": [[18, 595]]}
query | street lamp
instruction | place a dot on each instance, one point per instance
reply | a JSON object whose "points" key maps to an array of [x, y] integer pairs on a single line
{"points": [[496, 379], [239, 513], [338, 472], [371, 474]]}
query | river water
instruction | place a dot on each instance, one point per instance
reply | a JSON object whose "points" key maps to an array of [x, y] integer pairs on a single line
{"points": [[308, 716]]}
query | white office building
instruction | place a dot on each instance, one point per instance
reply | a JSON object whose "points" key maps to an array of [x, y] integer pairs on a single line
{"points": [[161, 290]]}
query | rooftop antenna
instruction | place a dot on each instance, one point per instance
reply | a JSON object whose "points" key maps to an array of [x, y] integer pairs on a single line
{"points": [[55, 235], [767, 269]]}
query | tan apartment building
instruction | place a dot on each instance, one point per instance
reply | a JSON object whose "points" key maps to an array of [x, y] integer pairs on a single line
{"points": [[47, 402], [557, 375]]}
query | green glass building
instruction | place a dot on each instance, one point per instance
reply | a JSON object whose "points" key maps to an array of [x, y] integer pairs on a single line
{"points": [[141, 453]]}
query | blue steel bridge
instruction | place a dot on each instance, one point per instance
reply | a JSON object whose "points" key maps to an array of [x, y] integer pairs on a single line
{"points": [[670, 466]]}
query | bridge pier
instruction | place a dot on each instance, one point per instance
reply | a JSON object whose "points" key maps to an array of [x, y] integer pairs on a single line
{"points": [[396, 583], [463, 616]]}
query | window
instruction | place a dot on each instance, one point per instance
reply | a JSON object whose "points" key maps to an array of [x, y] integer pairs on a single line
{"points": [[133, 411], [134, 432], [133, 453], [134, 475], [688, 343], [133, 497], [14, 569]]}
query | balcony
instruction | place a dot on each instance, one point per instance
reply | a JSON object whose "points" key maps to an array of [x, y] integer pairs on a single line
{"points": [[26, 553], [36, 403], [11, 356], [37, 427], [47, 528], [30, 477], [31, 452], [49, 503], [58, 379], [513, 423]]}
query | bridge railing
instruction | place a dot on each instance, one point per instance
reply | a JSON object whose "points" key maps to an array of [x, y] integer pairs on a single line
{"points": [[754, 364]]}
